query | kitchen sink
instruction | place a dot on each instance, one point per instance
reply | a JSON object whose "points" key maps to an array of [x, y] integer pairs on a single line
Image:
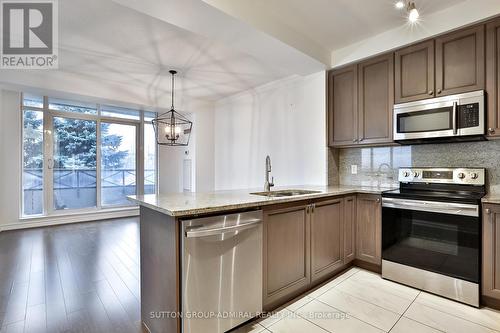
{"points": [[285, 193]]}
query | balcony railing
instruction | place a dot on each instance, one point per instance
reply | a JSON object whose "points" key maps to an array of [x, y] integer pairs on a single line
{"points": [[76, 188]]}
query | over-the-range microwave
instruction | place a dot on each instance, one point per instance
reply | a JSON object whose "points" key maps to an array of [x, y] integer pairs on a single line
{"points": [[450, 118]]}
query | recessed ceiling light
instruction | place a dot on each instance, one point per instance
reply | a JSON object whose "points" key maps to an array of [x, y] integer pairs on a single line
{"points": [[400, 4]]}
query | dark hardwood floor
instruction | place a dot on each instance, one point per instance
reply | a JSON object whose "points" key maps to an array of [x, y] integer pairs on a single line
{"points": [[72, 278]]}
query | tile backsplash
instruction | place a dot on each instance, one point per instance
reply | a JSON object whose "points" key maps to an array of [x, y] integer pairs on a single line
{"points": [[378, 166]]}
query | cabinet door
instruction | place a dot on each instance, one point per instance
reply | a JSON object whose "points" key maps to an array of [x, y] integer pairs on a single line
{"points": [[343, 106], [492, 77], [349, 229], [376, 100], [491, 251], [368, 233], [326, 238], [286, 254], [414, 72], [460, 62]]}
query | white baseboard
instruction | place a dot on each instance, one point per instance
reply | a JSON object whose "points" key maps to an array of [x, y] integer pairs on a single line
{"points": [[67, 219]]}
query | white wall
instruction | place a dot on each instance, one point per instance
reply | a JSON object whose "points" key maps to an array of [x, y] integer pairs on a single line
{"points": [[204, 148], [286, 120], [200, 151], [10, 157], [451, 18]]}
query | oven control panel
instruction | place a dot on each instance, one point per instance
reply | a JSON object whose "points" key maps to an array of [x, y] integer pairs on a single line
{"points": [[467, 176]]}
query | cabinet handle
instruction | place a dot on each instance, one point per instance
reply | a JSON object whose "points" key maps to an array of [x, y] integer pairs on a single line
{"points": [[487, 211], [431, 92], [491, 130], [439, 91], [378, 199]]}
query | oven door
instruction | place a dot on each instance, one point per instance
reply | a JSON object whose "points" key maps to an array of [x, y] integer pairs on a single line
{"points": [[440, 237]]}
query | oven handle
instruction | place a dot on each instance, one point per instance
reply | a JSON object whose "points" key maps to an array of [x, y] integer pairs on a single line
{"points": [[432, 206]]}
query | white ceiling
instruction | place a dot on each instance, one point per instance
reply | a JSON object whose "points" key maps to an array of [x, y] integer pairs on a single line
{"points": [[332, 24], [123, 49], [106, 44]]}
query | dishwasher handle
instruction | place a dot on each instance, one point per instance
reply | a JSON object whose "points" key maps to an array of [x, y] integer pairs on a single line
{"points": [[194, 232]]}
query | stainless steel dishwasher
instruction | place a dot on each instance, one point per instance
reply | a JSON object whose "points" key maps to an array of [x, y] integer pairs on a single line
{"points": [[221, 271]]}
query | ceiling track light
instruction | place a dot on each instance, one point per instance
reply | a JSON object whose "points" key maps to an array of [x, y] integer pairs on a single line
{"points": [[413, 13], [399, 5], [411, 8]]}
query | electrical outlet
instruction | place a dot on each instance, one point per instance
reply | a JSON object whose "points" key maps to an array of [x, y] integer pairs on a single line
{"points": [[354, 169]]}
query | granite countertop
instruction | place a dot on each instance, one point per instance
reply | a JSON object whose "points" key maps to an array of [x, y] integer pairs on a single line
{"points": [[493, 198], [189, 203]]}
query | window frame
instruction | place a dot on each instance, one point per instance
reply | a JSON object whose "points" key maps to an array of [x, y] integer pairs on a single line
{"points": [[47, 151]]}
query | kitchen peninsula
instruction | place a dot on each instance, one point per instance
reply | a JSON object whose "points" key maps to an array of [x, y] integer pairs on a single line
{"points": [[286, 244]]}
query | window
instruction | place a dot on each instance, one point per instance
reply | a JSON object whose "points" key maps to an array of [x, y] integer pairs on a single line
{"points": [[32, 162], [70, 106], [77, 157], [33, 101], [117, 112], [150, 153], [149, 159], [118, 163]]}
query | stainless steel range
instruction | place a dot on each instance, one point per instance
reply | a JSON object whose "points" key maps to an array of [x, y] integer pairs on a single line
{"points": [[431, 231]]}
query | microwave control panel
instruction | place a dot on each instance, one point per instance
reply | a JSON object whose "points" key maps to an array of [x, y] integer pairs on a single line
{"points": [[468, 115]]}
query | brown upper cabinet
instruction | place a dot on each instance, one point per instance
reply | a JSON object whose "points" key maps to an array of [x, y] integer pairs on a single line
{"points": [[361, 96], [460, 62], [375, 100], [414, 72], [360, 103], [343, 106], [493, 76]]}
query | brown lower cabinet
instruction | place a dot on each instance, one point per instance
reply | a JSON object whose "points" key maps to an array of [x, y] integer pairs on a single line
{"points": [[369, 229], [349, 228], [491, 252], [286, 253], [327, 228], [307, 243]]}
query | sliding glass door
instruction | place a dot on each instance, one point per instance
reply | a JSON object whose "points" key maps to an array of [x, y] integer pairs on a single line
{"points": [[83, 157], [74, 163]]}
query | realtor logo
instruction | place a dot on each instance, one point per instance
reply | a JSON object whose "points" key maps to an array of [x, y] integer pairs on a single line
{"points": [[29, 32]]}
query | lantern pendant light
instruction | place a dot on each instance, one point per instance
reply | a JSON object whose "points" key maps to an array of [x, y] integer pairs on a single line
{"points": [[172, 128]]}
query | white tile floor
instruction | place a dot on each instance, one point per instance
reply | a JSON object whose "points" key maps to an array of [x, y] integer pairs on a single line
{"points": [[361, 301]]}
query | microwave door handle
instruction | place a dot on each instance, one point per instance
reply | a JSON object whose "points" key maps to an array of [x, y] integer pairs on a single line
{"points": [[455, 125]]}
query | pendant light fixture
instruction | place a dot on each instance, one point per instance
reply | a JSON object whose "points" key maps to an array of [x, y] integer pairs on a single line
{"points": [[172, 128]]}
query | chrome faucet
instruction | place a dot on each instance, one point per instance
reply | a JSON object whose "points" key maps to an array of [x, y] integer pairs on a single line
{"points": [[267, 184]]}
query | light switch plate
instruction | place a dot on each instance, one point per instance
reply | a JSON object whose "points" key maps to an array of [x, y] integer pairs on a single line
{"points": [[354, 169]]}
